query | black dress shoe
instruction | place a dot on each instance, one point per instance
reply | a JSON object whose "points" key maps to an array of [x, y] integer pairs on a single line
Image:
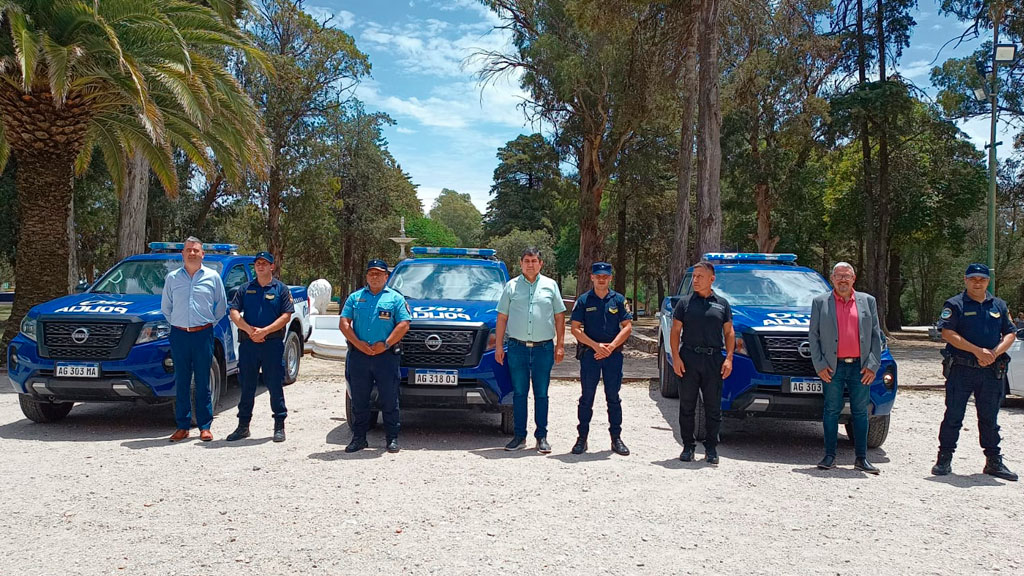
{"points": [[994, 467], [356, 445], [711, 458], [619, 447], [279, 433], [238, 434], [687, 454], [393, 446], [863, 465], [580, 446], [827, 463]]}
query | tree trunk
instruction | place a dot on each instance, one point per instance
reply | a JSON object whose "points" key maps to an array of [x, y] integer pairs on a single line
{"points": [[72, 238], [765, 241], [661, 291], [131, 220], [275, 187], [591, 189], [709, 124], [684, 167], [620, 248], [636, 276], [867, 178], [880, 265], [893, 315], [212, 192]]}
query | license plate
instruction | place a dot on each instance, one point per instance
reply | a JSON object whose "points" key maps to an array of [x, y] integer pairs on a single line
{"points": [[805, 386], [436, 377], [78, 370]]}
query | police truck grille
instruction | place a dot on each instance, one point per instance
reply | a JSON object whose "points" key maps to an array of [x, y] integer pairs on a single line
{"points": [[783, 355], [453, 349], [102, 343]]}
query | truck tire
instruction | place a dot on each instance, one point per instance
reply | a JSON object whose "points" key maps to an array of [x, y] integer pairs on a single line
{"points": [[700, 429], [349, 417], [43, 412], [508, 421], [292, 357], [878, 430], [668, 382]]}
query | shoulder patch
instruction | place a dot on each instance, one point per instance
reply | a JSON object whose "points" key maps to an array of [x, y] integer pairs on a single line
{"points": [[947, 313]]}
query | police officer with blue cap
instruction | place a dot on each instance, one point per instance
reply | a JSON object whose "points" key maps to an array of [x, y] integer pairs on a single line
{"points": [[978, 331], [601, 324], [261, 309], [374, 320]]}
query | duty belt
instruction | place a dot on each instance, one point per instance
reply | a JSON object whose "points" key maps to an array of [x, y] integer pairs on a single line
{"points": [[709, 350]]}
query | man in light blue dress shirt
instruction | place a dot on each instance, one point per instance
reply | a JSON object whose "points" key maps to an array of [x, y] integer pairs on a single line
{"points": [[193, 301], [532, 313]]}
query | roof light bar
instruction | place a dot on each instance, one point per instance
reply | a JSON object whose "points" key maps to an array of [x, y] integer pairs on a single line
{"points": [[748, 257], [442, 251], [179, 246]]}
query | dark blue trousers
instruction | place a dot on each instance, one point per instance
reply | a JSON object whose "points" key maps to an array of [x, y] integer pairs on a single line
{"points": [[192, 354], [591, 371], [363, 373], [988, 393], [252, 357]]}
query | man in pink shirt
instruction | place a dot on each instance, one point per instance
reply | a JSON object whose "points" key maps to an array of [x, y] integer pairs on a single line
{"points": [[846, 349]]}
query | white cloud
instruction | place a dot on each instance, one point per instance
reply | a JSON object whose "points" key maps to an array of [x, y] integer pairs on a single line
{"points": [[402, 130], [917, 69], [937, 26], [341, 19]]}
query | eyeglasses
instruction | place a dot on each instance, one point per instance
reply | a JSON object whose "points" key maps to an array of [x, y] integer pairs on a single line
{"points": [[843, 276]]}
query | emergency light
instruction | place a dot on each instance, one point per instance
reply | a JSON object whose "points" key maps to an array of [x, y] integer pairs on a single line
{"points": [[443, 251], [179, 246], [747, 257]]}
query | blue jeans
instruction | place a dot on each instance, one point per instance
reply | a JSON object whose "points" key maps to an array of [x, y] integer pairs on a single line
{"points": [[988, 393], [526, 364], [252, 356], [846, 377], [192, 353], [590, 376]]}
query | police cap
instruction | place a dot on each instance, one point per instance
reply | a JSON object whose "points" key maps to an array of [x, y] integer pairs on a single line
{"points": [[377, 265], [976, 271], [601, 268], [265, 256]]}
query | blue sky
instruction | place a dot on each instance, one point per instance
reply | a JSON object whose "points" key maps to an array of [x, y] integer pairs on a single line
{"points": [[449, 127]]}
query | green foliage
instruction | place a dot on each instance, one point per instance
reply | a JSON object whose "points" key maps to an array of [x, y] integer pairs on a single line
{"points": [[526, 187], [430, 232], [457, 212], [510, 248]]}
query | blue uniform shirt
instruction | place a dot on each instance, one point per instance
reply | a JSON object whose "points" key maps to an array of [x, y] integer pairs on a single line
{"points": [[262, 305], [190, 301], [374, 316], [601, 317], [981, 323]]}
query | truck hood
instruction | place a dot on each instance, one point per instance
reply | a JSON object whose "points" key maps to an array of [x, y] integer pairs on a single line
{"points": [[454, 311], [746, 318], [144, 306]]}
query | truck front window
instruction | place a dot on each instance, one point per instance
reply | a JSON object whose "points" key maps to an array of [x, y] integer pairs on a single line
{"points": [[782, 287], [435, 281], [140, 276]]}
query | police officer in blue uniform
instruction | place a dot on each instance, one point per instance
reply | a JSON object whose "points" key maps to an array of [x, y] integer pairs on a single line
{"points": [[261, 309], [601, 323], [374, 320], [978, 331]]}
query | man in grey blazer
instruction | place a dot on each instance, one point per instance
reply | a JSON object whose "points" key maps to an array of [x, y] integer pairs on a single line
{"points": [[846, 349]]}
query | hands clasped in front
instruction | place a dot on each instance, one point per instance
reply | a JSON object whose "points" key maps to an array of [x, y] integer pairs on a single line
{"points": [[374, 349]]}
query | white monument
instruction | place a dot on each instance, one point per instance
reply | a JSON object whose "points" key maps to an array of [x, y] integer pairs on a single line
{"points": [[402, 240]]}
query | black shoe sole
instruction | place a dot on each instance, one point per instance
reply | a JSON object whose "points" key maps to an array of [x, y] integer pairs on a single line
{"points": [[824, 467], [1002, 476], [874, 472], [578, 451], [351, 450], [279, 438]]}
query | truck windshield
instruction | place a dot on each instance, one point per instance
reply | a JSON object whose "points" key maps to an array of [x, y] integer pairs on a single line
{"points": [[141, 276], [429, 281], [784, 287]]}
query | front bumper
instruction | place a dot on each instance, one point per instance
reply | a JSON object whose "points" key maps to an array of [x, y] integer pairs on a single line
{"points": [[139, 376]]}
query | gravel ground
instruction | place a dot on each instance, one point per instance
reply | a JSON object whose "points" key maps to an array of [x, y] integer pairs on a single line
{"points": [[103, 492]]}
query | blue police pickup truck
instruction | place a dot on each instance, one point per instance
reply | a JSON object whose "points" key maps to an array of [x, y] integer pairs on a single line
{"points": [[772, 373], [448, 354], [110, 342]]}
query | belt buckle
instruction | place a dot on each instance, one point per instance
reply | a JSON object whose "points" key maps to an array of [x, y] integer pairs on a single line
{"points": [[848, 360], [529, 344]]}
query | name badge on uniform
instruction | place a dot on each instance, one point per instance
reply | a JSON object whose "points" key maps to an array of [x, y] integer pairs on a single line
{"points": [[592, 309], [384, 314], [270, 296], [970, 313], [250, 291], [717, 306]]}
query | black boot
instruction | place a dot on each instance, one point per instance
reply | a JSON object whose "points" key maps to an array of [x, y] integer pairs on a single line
{"points": [[241, 432], [687, 454], [580, 446], [619, 447], [994, 467], [944, 464], [278, 431]]}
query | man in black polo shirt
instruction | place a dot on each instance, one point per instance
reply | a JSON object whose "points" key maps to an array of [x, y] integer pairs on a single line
{"points": [[704, 321]]}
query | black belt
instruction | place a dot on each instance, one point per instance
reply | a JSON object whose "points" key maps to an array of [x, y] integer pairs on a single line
{"points": [[530, 344], [709, 350], [272, 336]]}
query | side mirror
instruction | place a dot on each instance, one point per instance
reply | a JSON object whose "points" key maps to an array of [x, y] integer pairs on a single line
{"points": [[82, 286]]}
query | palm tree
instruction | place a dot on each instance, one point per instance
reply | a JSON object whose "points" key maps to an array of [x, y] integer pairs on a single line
{"points": [[122, 77]]}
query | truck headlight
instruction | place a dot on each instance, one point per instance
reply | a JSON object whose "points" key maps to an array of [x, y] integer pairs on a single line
{"points": [[29, 325], [154, 331], [492, 339]]}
